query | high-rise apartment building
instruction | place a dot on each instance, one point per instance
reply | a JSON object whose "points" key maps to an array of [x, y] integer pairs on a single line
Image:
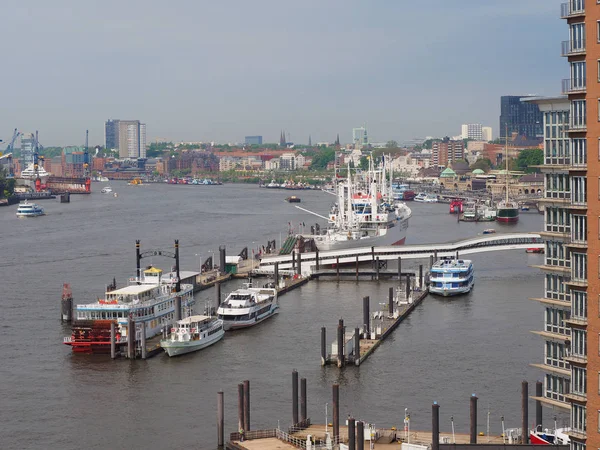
{"points": [[486, 134], [111, 134], [446, 152], [572, 232], [27, 148], [132, 139], [521, 117], [472, 131]]}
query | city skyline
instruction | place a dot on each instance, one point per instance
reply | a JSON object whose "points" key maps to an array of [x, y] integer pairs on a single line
{"points": [[332, 67]]}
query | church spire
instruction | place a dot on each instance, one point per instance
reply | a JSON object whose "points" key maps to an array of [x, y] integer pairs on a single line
{"points": [[282, 140], [309, 141], [337, 140]]}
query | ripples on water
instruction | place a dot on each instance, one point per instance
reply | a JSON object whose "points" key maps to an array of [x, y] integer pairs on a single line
{"points": [[446, 350]]}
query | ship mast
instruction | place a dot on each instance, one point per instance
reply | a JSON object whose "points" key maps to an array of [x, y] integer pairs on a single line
{"points": [[506, 159]]}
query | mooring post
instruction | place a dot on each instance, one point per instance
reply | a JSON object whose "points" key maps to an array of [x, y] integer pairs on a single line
{"points": [[430, 261], [399, 268], [177, 308], [130, 338], [351, 434], [456, 254], [435, 258], [366, 317], [525, 411], [220, 420], [113, 337], [435, 426], [323, 346], [276, 275], [377, 269], [357, 346], [360, 435], [473, 429], [241, 406], [303, 416], [407, 286], [356, 267], [421, 276], [336, 413], [340, 343], [218, 293], [246, 405], [293, 260], [391, 301], [317, 260], [337, 267], [299, 263], [143, 340], [538, 403], [294, 397]]}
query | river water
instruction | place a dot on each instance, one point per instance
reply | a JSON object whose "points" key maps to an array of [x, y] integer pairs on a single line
{"points": [[445, 351]]}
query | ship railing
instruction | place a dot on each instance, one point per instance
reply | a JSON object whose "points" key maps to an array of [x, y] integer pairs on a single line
{"points": [[67, 339]]}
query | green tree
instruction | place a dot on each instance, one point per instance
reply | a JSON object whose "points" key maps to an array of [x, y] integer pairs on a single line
{"points": [[391, 144], [483, 164], [529, 158], [7, 185], [157, 148], [321, 158], [364, 163]]}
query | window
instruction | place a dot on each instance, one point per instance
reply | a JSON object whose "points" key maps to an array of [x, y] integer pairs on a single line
{"points": [[555, 355], [578, 114], [555, 321], [579, 229], [556, 387], [558, 220], [579, 190], [578, 418], [579, 381], [558, 185], [579, 266], [575, 445], [577, 35], [579, 152], [579, 304], [579, 343], [556, 255], [555, 288]]}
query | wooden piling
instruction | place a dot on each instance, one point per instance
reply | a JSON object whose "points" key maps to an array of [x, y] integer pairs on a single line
{"points": [[399, 268], [220, 420], [377, 269], [143, 340], [407, 287], [430, 261], [337, 267], [473, 427], [421, 276], [241, 406], [435, 426], [456, 254], [435, 258], [525, 410], [323, 346], [360, 435], [113, 337], [276, 275], [538, 404], [391, 301], [218, 293], [294, 397], [340, 343], [357, 346], [351, 434], [356, 267], [366, 317], [336, 413], [246, 405], [293, 260], [299, 263], [317, 260], [131, 339], [303, 415]]}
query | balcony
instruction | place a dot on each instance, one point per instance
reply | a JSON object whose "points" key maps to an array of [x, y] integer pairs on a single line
{"points": [[573, 85], [572, 8], [573, 48]]}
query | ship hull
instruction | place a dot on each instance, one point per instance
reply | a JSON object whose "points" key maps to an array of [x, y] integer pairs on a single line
{"points": [[175, 348], [507, 215], [394, 236], [230, 325]]}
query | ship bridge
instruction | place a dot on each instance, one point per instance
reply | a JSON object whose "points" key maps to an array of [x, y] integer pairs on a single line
{"points": [[479, 244]]}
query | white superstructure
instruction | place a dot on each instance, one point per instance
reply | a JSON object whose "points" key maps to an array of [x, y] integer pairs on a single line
{"points": [[451, 277], [248, 306], [26, 209], [193, 333]]}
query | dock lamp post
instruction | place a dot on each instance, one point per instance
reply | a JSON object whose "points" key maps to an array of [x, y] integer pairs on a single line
{"points": [[199, 255], [407, 425], [212, 259]]}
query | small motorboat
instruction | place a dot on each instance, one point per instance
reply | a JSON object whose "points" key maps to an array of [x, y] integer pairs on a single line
{"points": [[27, 209], [534, 250], [524, 208], [293, 199], [106, 190], [558, 436], [489, 231]]}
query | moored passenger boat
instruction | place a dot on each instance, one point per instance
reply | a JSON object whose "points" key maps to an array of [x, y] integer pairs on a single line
{"points": [[248, 306], [193, 333], [149, 300], [26, 209], [451, 277]]}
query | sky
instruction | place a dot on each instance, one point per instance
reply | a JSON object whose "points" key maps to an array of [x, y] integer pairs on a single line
{"points": [[220, 70]]}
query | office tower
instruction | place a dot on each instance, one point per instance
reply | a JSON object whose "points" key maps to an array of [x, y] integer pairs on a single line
{"points": [[253, 140], [132, 139], [111, 134], [517, 116]]}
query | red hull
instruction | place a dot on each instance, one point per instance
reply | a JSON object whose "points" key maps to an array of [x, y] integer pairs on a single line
{"points": [[507, 219], [536, 440], [400, 242]]}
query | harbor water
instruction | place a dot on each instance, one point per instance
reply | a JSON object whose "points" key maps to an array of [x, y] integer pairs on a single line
{"points": [[448, 349]]}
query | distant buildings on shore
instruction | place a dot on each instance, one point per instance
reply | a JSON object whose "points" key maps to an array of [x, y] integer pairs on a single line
{"points": [[521, 117], [126, 136]]}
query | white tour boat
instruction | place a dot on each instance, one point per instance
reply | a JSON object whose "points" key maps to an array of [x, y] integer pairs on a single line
{"points": [[451, 277], [149, 300], [248, 306], [193, 333], [430, 198], [106, 190], [420, 197], [27, 209]]}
